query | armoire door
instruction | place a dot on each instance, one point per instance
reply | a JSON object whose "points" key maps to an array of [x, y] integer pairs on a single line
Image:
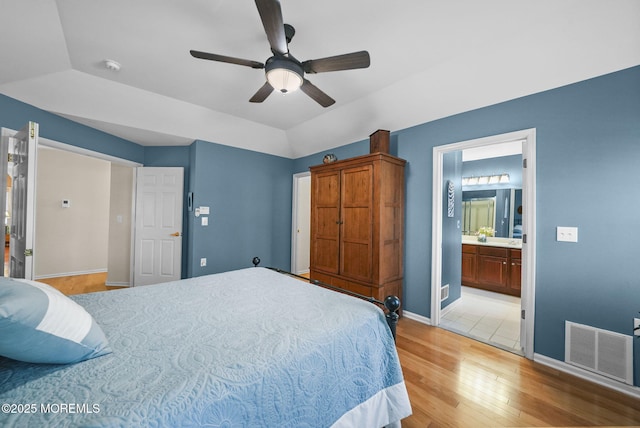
{"points": [[356, 223], [325, 221]]}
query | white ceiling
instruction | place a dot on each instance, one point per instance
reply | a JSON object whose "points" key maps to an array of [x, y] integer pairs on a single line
{"points": [[429, 59]]}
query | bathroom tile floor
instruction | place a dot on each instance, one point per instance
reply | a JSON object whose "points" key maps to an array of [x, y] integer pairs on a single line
{"points": [[489, 317]]}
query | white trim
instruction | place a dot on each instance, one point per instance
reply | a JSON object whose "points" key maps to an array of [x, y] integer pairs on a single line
{"points": [[294, 219], [45, 142], [117, 284], [633, 391], [416, 317], [528, 295], [528, 250], [63, 274], [132, 244], [449, 307]]}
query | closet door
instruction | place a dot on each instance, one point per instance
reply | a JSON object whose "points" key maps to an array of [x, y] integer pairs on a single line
{"points": [[356, 251], [325, 221]]}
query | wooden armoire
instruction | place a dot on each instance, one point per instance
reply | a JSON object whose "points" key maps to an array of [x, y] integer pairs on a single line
{"points": [[357, 230]]}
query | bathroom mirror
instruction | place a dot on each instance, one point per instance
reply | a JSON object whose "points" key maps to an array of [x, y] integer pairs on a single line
{"points": [[497, 209]]}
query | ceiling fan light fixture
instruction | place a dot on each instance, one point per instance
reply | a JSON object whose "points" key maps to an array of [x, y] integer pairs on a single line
{"points": [[284, 75]]}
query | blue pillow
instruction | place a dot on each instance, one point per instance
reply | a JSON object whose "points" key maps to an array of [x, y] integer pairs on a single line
{"points": [[39, 324]]}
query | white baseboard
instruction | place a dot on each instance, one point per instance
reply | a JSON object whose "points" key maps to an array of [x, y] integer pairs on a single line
{"points": [[633, 391], [60, 275], [449, 307], [117, 284], [416, 317]]}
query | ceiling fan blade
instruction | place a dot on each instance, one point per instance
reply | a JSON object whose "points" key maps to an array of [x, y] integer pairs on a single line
{"points": [[320, 97], [271, 16], [262, 93], [348, 61], [227, 59]]}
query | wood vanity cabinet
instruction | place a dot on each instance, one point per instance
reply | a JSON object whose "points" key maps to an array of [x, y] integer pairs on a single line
{"points": [[469, 264], [357, 215], [492, 268]]}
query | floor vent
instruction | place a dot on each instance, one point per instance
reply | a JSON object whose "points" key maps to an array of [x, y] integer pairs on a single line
{"points": [[444, 292], [601, 351]]}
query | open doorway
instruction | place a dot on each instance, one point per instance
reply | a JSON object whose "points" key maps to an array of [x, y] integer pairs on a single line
{"points": [[487, 305], [74, 211], [83, 221], [447, 235], [301, 224], [107, 188]]}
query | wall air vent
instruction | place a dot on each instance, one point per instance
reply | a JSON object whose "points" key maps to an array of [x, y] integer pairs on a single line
{"points": [[444, 292], [601, 351]]}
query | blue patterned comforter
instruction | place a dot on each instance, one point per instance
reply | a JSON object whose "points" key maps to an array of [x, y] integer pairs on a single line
{"points": [[248, 348]]}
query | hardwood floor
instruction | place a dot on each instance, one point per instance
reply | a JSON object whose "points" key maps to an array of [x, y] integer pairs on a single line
{"points": [[454, 381], [79, 284]]}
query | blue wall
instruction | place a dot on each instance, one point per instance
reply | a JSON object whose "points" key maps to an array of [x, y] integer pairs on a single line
{"points": [[588, 152], [452, 227], [15, 115], [249, 195]]}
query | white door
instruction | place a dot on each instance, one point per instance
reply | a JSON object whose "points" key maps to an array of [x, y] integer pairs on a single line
{"points": [[301, 245], [158, 231], [23, 150]]}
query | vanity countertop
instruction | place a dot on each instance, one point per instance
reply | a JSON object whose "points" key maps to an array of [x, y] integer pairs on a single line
{"points": [[493, 242]]}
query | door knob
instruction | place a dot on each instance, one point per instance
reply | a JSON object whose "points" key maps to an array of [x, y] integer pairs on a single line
{"points": [[175, 234]]}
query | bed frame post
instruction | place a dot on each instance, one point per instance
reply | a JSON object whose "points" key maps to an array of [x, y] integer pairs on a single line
{"points": [[392, 303]]}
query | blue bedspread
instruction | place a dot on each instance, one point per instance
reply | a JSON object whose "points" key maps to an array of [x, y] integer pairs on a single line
{"points": [[248, 348]]}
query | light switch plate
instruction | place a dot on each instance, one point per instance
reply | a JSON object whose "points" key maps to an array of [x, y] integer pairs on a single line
{"points": [[567, 234], [205, 221]]}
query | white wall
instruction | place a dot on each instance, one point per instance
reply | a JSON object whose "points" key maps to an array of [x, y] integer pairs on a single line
{"points": [[71, 240], [120, 225]]}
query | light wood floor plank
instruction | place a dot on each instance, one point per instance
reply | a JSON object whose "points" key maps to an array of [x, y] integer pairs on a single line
{"points": [[454, 381]]}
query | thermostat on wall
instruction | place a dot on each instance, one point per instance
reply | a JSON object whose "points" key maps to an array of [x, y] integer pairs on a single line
{"points": [[66, 203]]}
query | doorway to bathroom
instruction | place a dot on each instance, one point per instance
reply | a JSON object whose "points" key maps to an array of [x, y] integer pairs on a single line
{"points": [[487, 309]]}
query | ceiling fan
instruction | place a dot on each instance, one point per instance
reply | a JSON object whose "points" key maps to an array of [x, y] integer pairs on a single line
{"points": [[283, 72]]}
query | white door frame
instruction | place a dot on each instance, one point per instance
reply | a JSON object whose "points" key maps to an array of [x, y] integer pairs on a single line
{"points": [[294, 218], [528, 226], [45, 142], [22, 235], [119, 161]]}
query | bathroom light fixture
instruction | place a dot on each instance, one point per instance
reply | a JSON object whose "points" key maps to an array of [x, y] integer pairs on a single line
{"points": [[284, 75], [485, 179]]}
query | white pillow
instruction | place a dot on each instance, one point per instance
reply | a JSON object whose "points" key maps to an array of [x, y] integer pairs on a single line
{"points": [[39, 324]]}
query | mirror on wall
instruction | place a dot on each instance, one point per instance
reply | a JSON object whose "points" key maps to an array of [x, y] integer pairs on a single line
{"points": [[499, 209]]}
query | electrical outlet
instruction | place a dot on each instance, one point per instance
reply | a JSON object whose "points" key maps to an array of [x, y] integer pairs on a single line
{"points": [[203, 262], [636, 326]]}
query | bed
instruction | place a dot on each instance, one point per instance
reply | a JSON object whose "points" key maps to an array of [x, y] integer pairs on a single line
{"points": [[246, 348]]}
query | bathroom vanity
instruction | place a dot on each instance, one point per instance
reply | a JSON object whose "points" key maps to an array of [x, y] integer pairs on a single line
{"points": [[495, 265]]}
